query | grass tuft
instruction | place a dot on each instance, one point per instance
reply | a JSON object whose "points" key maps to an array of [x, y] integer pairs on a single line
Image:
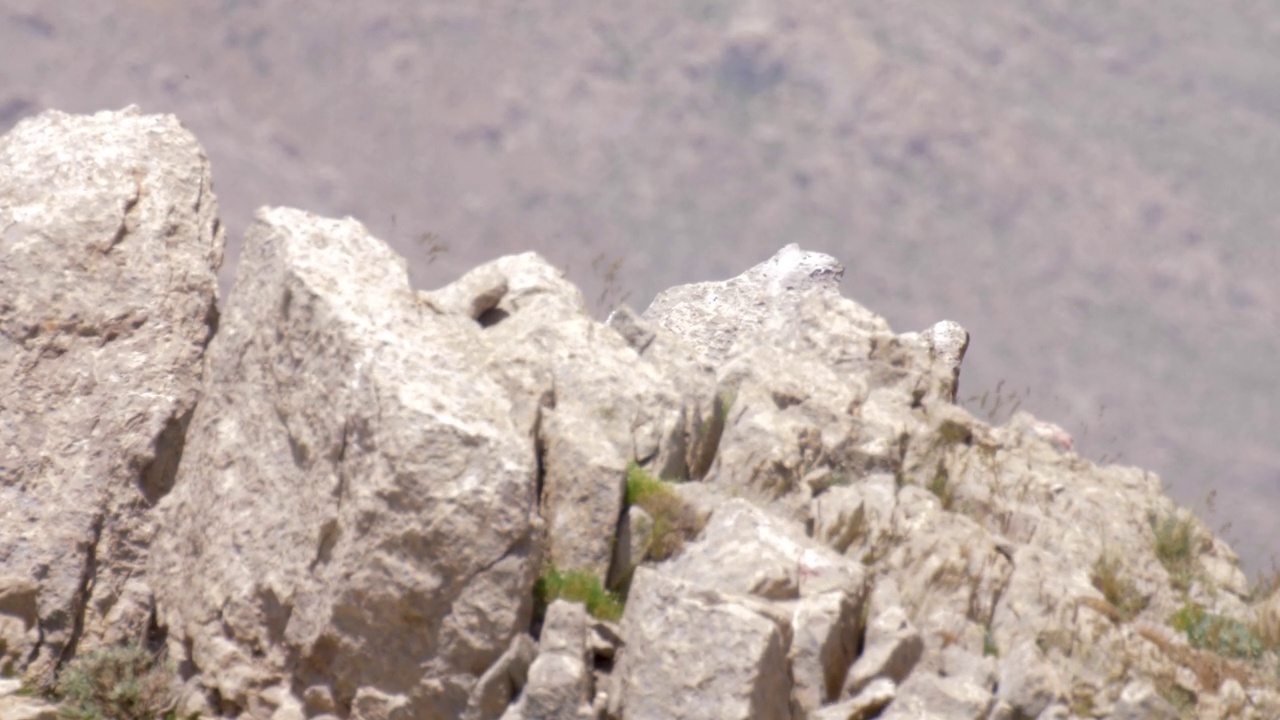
{"points": [[1119, 591], [674, 522], [576, 586], [1175, 546]]}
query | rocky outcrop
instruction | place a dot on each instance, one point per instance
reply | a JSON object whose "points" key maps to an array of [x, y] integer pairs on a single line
{"points": [[377, 545], [341, 506], [109, 252]]}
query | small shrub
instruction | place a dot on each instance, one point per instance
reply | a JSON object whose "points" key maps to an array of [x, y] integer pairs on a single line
{"points": [[118, 683], [576, 586], [1266, 584], [989, 648], [1082, 701], [940, 486], [1175, 546], [1118, 590], [1216, 633], [674, 522]]}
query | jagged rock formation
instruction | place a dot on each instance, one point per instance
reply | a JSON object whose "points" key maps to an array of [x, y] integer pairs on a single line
{"points": [[340, 509]]}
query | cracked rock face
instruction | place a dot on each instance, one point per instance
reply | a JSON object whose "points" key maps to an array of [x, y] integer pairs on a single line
{"points": [[377, 542], [338, 507], [109, 252]]}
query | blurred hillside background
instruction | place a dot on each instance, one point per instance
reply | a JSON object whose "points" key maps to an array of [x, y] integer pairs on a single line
{"points": [[1091, 187]]}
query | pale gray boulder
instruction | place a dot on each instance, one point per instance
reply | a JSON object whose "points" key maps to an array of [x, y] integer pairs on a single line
{"points": [[591, 401], [110, 246], [635, 532], [503, 681], [1139, 700], [824, 642], [891, 649], [926, 695], [559, 683], [355, 506], [747, 551], [1028, 682], [868, 704], [693, 653]]}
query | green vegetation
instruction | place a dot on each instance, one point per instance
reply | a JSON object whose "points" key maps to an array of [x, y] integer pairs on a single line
{"points": [[674, 522], [117, 683], [1216, 633], [725, 401], [940, 486], [1175, 546], [1118, 590], [989, 648], [576, 586]]}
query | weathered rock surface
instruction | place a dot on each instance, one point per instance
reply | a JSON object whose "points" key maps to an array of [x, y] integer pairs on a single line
{"points": [[109, 252], [697, 653], [339, 511], [378, 541], [559, 685]]}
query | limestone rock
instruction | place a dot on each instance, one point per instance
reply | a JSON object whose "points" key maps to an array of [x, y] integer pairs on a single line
{"points": [[1028, 683], [14, 707], [695, 653], [1140, 700], [109, 251], [745, 550], [925, 695], [892, 648], [635, 530], [559, 685], [599, 404], [349, 523], [824, 643], [502, 682], [873, 698], [355, 506]]}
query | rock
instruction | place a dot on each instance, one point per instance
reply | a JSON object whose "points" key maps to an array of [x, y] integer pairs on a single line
{"points": [[873, 698], [824, 642], [109, 251], [334, 396], [583, 492], [635, 532], [599, 405], [1028, 683], [857, 519], [350, 522], [502, 682], [559, 686], [747, 551], [696, 653], [15, 707], [1140, 701], [892, 645], [925, 695], [974, 669]]}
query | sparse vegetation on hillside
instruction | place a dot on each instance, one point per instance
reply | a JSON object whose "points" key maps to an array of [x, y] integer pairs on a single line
{"points": [[1175, 546], [1216, 633], [1119, 591], [674, 522], [576, 586], [117, 683]]}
